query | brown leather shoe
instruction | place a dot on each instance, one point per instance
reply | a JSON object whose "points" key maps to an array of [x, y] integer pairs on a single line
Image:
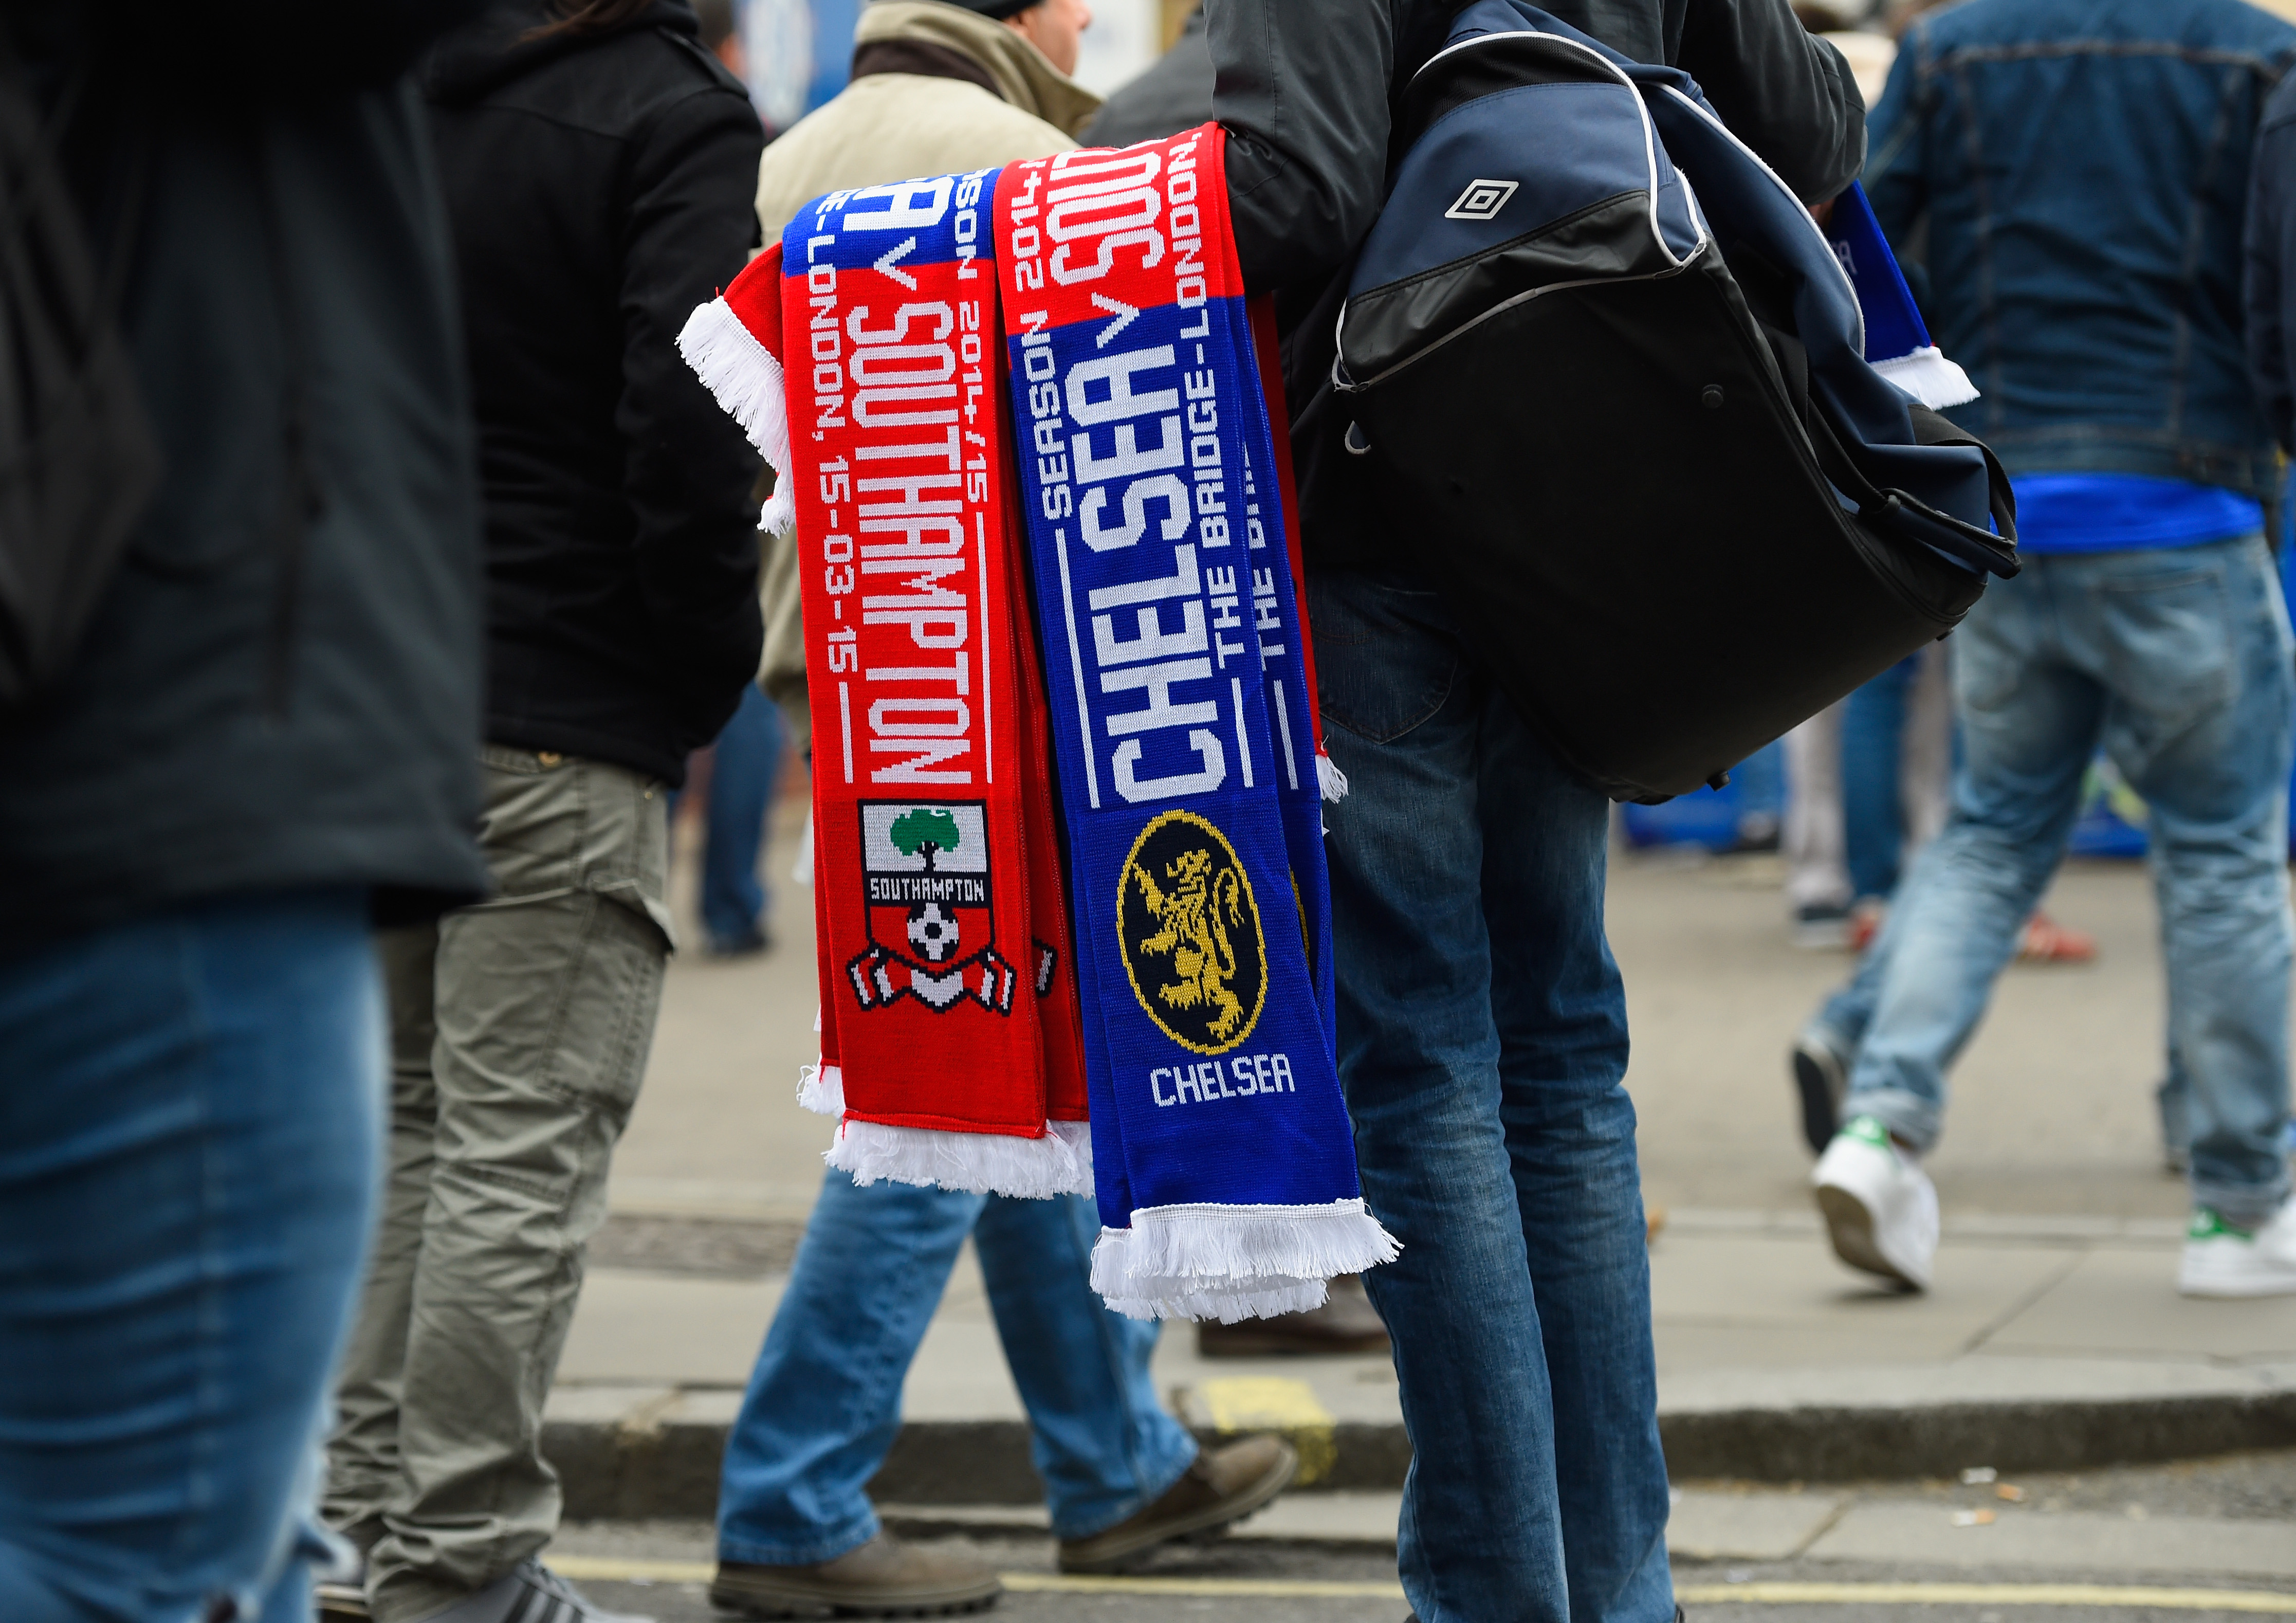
{"points": [[883, 1578], [1346, 1322], [1223, 1486]]}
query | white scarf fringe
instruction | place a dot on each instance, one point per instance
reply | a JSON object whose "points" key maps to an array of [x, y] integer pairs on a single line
{"points": [[821, 1090], [1265, 1301], [747, 380], [976, 1163], [1234, 1262], [1930, 377], [1331, 782]]}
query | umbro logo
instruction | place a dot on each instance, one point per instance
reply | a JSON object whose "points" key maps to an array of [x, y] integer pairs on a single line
{"points": [[1481, 201]]}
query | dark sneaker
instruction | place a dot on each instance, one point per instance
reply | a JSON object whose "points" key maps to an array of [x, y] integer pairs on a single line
{"points": [[1821, 926], [530, 1593], [1821, 1078], [883, 1578], [1222, 1487], [1346, 1322], [749, 944]]}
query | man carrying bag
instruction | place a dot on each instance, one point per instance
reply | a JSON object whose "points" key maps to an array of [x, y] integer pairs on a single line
{"points": [[1483, 1036]]}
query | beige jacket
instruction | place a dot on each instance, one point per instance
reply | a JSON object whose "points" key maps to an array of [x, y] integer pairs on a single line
{"points": [[891, 126]]}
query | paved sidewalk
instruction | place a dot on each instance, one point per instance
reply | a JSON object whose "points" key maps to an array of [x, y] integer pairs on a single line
{"points": [[2053, 1339]]}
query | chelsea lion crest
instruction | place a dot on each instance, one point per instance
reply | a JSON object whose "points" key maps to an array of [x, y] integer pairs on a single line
{"points": [[932, 932], [1190, 930]]}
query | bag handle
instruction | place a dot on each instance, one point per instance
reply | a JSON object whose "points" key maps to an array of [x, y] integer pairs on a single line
{"points": [[1917, 521], [1932, 427]]}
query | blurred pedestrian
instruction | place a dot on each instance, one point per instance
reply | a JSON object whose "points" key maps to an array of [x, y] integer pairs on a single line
{"points": [[2085, 268], [598, 164], [1867, 780], [1897, 751], [744, 765], [939, 87], [262, 747], [1815, 840], [1482, 1031]]}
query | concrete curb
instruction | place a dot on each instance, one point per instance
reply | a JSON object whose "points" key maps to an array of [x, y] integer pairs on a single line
{"points": [[661, 1459], [1824, 1444]]}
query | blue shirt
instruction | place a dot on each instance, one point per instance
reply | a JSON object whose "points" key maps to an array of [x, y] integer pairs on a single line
{"points": [[2124, 512]]}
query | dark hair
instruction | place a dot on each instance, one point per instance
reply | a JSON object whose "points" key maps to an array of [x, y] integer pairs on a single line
{"points": [[589, 16]]}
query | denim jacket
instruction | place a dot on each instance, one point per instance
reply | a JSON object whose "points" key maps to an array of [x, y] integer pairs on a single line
{"points": [[2081, 168]]}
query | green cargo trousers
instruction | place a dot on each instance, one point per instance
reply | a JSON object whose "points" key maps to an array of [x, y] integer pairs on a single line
{"points": [[519, 1028]]}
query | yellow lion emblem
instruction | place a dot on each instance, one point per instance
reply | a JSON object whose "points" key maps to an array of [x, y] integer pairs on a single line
{"points": [[1203, 907], [1193, 945]]}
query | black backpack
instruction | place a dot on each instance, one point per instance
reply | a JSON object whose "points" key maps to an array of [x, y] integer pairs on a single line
{"points": [[1611, 378], [79, 461]]}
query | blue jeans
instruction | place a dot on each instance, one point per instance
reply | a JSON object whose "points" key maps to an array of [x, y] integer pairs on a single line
{"points": [[2178, 662], [825, 1401], [1482, 1032], [1872, 810], [188, 1153], [741, 794]]}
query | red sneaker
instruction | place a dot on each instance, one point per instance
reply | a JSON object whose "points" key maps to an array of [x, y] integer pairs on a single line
{"points": [[2047, 941]]}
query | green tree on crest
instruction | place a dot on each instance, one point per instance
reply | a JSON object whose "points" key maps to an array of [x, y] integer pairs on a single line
{"points": [[923, 832]]}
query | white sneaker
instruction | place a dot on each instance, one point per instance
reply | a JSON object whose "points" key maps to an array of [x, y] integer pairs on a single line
{"points": [[2222, 1260], [1880, 1208]]}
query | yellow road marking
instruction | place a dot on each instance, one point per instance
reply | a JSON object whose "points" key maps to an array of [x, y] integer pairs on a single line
{"points": [[1274, 1403], [1989, 1594], [616, 1568]]}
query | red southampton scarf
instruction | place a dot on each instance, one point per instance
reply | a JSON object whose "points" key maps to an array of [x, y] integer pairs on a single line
{"points": [[949, 1025]]}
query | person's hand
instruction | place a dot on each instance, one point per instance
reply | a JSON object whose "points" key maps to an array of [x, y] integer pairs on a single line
{"points": [[1822, 212]]}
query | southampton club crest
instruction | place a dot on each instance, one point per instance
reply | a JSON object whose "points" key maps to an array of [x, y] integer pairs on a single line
{"points": [[1190, 930], [933, 933]]}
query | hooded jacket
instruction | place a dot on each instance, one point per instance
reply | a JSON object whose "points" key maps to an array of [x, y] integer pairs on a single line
{"points": [[958, 91], [279, 688], [598, 184], [937, 89]]}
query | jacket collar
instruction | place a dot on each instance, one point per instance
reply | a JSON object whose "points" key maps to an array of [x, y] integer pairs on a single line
{"points": [[502, 43], [1023, 77]]}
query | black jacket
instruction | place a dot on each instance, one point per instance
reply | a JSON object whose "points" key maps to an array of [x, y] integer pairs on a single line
{"points": [[279, 686], [1305, 89], [600, 187], [1174, 94]]}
